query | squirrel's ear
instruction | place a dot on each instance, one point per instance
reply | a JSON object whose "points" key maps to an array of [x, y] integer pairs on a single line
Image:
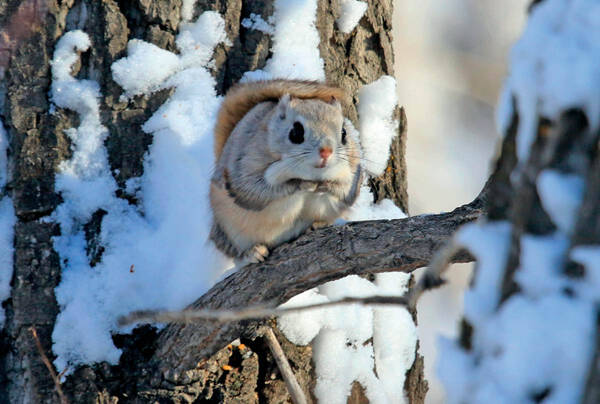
{"points": [[334, 101], [283, 104]]}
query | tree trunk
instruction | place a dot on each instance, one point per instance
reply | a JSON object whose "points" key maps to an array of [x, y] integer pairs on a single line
{"points": [[537, 225], [38, 144]]}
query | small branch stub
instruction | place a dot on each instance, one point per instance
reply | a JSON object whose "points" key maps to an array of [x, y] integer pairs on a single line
{"points": [[287, 373]]}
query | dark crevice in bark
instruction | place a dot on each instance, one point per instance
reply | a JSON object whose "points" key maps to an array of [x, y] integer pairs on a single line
{"points": [[94, 249]]}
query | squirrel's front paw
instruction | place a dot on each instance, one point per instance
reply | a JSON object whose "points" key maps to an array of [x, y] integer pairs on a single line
{"points": [[303, 185], [310, 186], [256, 254], [319, 225]]}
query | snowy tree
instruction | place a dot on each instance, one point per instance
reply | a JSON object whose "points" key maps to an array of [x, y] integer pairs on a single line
{"points": [[107, 107], [530, 331], [89, 88]]}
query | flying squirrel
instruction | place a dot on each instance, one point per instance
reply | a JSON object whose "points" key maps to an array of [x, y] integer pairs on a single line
{"points": [[284, 164]]}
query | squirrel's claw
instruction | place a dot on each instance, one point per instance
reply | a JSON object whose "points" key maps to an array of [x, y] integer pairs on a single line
{"points": [[256, 254], [319, 225]]}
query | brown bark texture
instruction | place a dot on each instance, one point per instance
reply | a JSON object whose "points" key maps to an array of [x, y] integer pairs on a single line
{"points": [[146, 373]]}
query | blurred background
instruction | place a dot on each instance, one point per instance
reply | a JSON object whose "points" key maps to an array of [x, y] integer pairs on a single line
{"points": [[451, 58]]}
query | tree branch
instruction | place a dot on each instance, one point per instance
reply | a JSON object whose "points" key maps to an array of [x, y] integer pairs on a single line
{"points": [[323, 255]]}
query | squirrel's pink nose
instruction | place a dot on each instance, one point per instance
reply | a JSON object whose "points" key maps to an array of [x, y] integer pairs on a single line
{"points": [[325, 152]]}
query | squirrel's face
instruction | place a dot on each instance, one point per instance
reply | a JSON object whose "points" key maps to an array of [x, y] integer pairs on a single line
{"points": [[309, 138]]}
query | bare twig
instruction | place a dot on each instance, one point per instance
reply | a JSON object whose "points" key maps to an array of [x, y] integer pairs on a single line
{"points": [[250, 313], [287, 373], [46, 361]]}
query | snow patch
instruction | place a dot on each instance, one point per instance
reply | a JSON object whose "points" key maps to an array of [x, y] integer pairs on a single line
{"points": [[3, 156], [394, 337], [554, 67], [377, 102], [489, 243], [257, 23], [494, 370], [351, 13], [510, 364], [187, 10], [365, 209], [147, 67], [196, 43], [504, 110], [342, 354], [295, 44], [144, 69], [542, 258], [561, 194]]}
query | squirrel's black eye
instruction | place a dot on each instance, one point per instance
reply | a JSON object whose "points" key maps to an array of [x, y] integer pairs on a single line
{"points": [[343, 135], [297, 133]]}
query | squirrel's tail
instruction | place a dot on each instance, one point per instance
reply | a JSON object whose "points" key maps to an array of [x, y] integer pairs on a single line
{"points": [[242, 97]]}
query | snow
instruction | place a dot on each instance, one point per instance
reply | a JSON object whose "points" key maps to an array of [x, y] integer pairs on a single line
{"points": [[542, 258], [187, 10], [196, 44], [554, 67], [295, 44], [489, 243], [311, 325], [394, 355], [7, 223], [3, 156], [504, 110], [155, 257], [507, 362], [561, 194], [340, 337], [351, 13], [365, 209], [145, 68], [257, 23], [530, 345], [377, 102]]}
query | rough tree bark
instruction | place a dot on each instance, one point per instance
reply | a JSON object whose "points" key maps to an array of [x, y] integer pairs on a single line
{"points": [[38, 144]]}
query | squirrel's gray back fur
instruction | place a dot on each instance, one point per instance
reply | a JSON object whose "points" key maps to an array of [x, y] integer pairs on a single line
{"points": [[285, 166]]}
